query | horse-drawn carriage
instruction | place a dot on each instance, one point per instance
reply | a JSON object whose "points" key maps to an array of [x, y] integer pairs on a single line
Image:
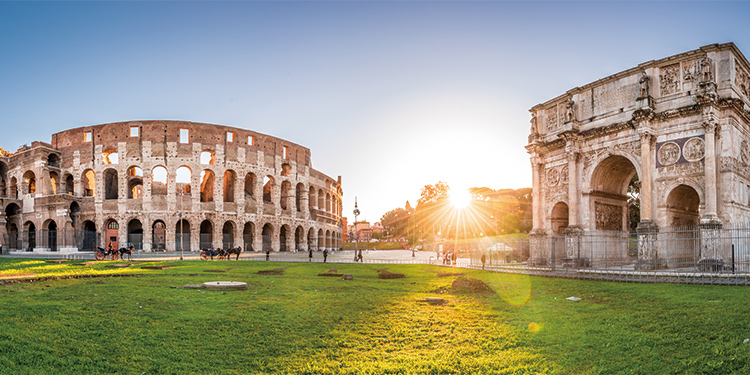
{"points": [[220, 254]]}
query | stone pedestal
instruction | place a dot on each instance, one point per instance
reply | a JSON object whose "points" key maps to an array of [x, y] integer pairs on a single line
{"points": [[538, 247], [711, 251], [648, 255]]}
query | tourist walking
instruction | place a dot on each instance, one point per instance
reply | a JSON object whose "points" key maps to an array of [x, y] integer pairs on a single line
{"points": [[325, 255], [359, 257], [484, 259], [268, 254], [310, 260]]}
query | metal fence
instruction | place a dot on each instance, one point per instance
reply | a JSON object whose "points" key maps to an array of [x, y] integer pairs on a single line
{"points": [[50, 240], [689, 252]]}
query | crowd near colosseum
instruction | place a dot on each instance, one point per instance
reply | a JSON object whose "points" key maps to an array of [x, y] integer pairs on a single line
{"points": [[166, 186]]}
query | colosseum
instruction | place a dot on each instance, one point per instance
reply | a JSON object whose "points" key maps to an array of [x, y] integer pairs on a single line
{"points": [[166, 186]]}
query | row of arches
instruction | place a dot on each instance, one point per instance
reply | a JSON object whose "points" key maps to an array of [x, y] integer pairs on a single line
{"points": [[137, 185]]}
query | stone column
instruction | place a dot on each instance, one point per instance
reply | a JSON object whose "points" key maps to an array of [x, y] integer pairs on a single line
{"points": [[574, 192], [710, 168], [647, 143]]}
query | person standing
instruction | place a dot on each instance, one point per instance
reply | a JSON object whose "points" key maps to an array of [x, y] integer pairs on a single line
{"points": [[268, 254], [325, 255], [310, 256], [359, 257], [484, 259]]}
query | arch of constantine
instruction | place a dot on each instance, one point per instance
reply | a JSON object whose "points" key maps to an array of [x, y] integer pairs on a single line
{"points": [[677, 129], [166, 185]]}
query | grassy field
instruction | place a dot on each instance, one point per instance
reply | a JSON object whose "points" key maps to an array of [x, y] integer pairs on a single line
{"points": [[299, 323]]}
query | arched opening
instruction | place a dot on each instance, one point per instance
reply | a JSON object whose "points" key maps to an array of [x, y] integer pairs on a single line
{"points": [[328, 202], [69, 185], [13, 218], [135, 183], [206, 235], [29, 183], [110, 184], [13, 240], [559, 218], [683, 207], [182, 235], [247, 236], [227, 235], [207, 185], [229, 181], [88, 238], [159, 236], [299, 193], [30, 230], [110, 156], [250, 186], [267, 237], [321, 239], [286, 187], [282, 238], [312, 199], [111, 234], [321, 200], [208, 157], [609, 193], [267, 189], [88, 181], [53, 161], [311, 239], [182, 179], [75, 215], [135, 234], [52, 235], [54, 181], [159, 181], [299, 238]]}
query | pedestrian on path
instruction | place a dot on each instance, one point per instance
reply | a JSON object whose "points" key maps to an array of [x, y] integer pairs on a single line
{"points": [[484, 259], [268, 254], [310, 260], [325, 255]]}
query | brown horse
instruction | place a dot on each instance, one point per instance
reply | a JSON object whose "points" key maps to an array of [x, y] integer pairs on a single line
{"points": [[236, 250], [124, 251]]}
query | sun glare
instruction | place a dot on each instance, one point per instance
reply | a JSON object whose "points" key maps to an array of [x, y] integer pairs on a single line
{"points": [[460, 198]]}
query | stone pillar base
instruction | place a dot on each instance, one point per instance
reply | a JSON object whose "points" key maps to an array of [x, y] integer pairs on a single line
{"points": [[712, 255], [648, 253], [538, 247]]}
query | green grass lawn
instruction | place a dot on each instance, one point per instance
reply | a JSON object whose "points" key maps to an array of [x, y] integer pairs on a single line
{"points": [[299, 323]]}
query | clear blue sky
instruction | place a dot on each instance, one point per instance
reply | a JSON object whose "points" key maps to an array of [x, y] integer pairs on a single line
{"points": [[390, 95]]}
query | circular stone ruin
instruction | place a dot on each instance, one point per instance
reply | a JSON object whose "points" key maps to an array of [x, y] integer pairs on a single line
{"points": [[225, 285]]}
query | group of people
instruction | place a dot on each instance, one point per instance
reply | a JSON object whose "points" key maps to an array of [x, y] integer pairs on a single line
{"points": [[325, 255], [450, 258]]}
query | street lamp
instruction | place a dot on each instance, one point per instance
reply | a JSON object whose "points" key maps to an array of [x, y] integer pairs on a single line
{"points": [[356, 232]]}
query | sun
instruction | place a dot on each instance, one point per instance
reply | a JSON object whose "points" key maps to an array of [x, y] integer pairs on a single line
{"points": [[460, 198]]}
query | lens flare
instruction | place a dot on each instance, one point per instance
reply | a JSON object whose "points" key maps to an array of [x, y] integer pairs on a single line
{"points": [[460, 198]]}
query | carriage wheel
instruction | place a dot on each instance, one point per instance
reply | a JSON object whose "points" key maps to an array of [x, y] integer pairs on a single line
{"points": [[204, 256], [99, 255], [114, 256]]}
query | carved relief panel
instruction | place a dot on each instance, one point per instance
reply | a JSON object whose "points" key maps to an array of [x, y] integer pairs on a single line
{"points": [[669, 79], [608, 216], [680, 151], [742, 81]]}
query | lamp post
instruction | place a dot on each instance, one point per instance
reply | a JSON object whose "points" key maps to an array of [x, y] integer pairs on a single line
{"points": [[356, 232], [182, 233]]}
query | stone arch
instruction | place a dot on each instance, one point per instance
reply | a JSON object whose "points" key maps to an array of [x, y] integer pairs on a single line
{"points": [[267, 237], [88, 183], [248, 236], [13, 188], [159, 180], [183, 179], [312, 200], [559, 217], [135, 234], [182, 235], [29, 229], [283, 237], [208, 157], [321, 200], [74, 212], [208, 179], [206, 235], [29, 183], [321, 239], [111, 234], [53, 160], [54, 182], [69, 184], [135, 183], [608, 200], [229, 182], [683, 206], [50, 227], [268, 184], [227, 235], [110, 184], [3, 179], [158, 236], [311, 244], [299, 195], [329, 239], [88, 238], [110, 156]]}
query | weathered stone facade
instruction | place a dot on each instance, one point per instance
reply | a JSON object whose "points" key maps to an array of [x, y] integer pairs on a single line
{"points": [[681, 124], [133, 182]]}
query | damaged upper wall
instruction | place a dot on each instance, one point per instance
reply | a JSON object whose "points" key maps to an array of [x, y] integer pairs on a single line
{"points": [[669, 83]]}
